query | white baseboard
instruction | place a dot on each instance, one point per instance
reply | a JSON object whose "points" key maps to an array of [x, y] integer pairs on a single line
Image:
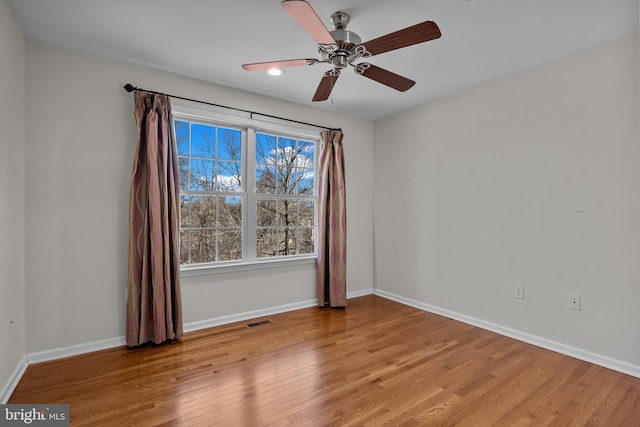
{"points": [[74, 350], [361, 293], [14, 379], [577, 353]]}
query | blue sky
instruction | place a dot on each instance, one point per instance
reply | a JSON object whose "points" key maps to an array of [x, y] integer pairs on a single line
{"points": [[219, 150]]}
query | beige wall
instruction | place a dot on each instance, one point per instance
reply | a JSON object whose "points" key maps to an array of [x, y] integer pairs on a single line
{"points": [[12, 188], [80, 143], [532, 180]]}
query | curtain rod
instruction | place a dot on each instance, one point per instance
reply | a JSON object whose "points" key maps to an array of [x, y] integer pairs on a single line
{"points": [[130, 88]]}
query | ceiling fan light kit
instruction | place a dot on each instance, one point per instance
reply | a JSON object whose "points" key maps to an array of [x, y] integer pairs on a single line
{"points": [[276, 71], [342, 48]]}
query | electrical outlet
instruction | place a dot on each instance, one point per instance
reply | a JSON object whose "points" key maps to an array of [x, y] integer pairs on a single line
{"points": [[518, 292], [574, 302]]}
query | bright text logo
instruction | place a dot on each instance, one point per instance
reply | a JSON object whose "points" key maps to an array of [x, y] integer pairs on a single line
{"points": [[36, 415]]}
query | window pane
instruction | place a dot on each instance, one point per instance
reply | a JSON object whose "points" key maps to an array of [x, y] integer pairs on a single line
{"points": [[296, 176], [229, 144], [182, 137], [305, 182], [183, 164], [229, 245], [306, 154], [286, 180], [265, 180], [203, 141], [286, 161], [287, 213], [184, 247], [229, 176], [266, 149], [266, 244], [306, 241], [184, 211], [203, 246], [307, 213], [266, 215], [230, 212], [203, 175], [286, 151], [287, 242], [203, 211]]}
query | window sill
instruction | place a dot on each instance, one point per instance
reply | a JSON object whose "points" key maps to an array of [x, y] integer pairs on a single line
{"points": [[205, 270]]}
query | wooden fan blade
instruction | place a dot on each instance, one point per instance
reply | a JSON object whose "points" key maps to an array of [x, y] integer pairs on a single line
{"points": [[385, 77], [259, 66], [409, 36], [302, 12], [326, 85]]}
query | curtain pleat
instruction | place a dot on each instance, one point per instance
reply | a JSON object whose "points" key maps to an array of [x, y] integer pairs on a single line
{"points": [[332, 222], [154, 306]]}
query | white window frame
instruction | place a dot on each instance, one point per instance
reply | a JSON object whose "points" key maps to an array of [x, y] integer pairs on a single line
{"points": [[250, 126]]}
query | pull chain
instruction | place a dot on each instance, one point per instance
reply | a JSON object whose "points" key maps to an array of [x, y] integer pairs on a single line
{"points": [[333, 82]]}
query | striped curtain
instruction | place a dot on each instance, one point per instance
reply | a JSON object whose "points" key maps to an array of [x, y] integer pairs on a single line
{"points": [[154, 310], [332, 222]]}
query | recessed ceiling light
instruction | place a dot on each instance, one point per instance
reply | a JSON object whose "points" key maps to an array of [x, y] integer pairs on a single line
{"points": [[275, 71]]}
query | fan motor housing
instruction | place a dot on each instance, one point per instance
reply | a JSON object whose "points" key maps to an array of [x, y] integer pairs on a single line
{"points": [[346, 38], [346, 42]]}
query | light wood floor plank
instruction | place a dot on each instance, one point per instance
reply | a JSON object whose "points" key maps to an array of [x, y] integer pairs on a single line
{"points": [[375, 363]]}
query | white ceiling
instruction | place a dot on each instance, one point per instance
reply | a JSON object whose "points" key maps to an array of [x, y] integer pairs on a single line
{"points": [[482, 40]]}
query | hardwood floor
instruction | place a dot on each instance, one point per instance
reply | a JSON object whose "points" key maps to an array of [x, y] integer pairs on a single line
{"points": [[376, 363]]}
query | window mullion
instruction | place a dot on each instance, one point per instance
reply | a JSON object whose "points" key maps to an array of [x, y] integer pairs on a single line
{"points": [[250, 237]]}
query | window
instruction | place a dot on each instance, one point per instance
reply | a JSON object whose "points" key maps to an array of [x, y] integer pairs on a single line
{"points": [[211, 205], [247, 192], [285, 196]]}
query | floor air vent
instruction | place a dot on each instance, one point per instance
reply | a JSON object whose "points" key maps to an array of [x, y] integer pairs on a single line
{"points": [[260, 323]]}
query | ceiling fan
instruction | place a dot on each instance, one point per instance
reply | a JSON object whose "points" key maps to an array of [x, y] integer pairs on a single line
{"points": [[341, 48]]}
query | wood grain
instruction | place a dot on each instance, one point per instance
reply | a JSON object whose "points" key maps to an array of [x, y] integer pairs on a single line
{"points": [[376, 363]]}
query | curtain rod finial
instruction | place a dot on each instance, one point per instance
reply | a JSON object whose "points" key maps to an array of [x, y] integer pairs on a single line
{"points": [[129, 87]]}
